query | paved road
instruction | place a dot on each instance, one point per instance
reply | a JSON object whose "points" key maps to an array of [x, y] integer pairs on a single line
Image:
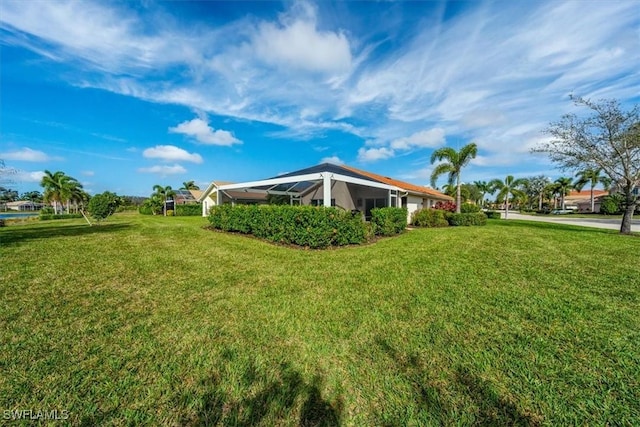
{"points": [[613, 224]]}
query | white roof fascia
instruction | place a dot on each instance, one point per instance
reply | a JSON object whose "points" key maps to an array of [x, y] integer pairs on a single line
{"points": [[272, 181], [208, 191], [352, 180]]}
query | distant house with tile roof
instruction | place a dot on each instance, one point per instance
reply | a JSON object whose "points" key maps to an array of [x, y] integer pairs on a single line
{"points": [[327, 184], [581, 200]]}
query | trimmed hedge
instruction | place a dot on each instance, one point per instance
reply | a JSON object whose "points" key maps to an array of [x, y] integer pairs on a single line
{"points": [[429, 218], [388, 221], [188, 210], [493, 214], [47, 217], [469, 208], [467, 219], [313, 227]]}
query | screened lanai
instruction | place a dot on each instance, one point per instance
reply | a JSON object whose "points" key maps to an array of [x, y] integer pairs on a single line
{"points": [[322, 185]]}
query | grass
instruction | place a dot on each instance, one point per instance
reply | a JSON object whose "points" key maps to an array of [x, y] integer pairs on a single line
{"points": [[157, 321]]}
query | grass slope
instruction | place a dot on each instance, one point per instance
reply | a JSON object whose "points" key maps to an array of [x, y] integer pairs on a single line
{"points": [[152, 320]]}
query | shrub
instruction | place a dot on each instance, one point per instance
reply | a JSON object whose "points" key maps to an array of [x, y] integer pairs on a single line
{"points": [[609, 206], [2, 223], [47, 217], [170, 212], [47, 210], [469, 208], [145, 210], [493, 214], [467, 219], [101, 206], [445, 206], [314, 227], [429, 218], [388, 221], [188, 210]]}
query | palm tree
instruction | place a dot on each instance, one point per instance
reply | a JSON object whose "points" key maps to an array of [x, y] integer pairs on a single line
{"points": [[505, 189], [189, 185], [592, 177], [563, 187], [163, 193], [54, 187], [484, 188], [455, 161]]}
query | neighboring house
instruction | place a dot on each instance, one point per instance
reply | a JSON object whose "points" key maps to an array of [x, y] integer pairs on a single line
{"points": [[186, 197], [24, 205], [328, 185], [581, 200]]}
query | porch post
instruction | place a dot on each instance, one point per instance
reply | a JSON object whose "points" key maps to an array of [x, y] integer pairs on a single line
{"points": [[326, 189]]}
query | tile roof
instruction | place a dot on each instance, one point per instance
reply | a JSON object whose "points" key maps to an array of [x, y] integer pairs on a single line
{"points": [[574, 195], [404, 185]]}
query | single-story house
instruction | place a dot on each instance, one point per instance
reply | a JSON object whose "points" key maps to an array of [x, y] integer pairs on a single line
{"points": [[327, 185], [581, 200], [24, 205]]}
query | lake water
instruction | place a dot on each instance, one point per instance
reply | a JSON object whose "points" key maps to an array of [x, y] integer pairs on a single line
{"points": [[17, 215]]}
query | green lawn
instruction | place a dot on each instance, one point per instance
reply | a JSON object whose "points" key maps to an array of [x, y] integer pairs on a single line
{"points": [[157, 321]]}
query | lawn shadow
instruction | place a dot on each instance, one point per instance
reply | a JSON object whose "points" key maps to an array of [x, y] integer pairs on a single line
{"points": [[434, 396], [17, 234], [270, 399]]}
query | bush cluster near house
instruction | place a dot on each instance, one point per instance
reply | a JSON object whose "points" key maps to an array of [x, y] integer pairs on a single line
{"points": [[429, 218], [388, 221], [313, 227], [443, 218], [308, 226], [188, 210]]}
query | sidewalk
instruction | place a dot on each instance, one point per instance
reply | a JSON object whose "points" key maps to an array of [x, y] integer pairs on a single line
{"points": [[611, 224]]}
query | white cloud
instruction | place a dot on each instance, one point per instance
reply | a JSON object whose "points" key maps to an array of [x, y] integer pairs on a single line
{"points": [[296, 42], [482, 74], [26, 155], [332, 159], [24, 176], [431, 138], [88, 173], [200, 130], [171, 153], [373, 154], [164, 170]]}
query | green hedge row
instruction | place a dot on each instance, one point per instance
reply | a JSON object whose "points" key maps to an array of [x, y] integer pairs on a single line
{"points": [[313, 227], [388, 221], [457, 219], [188, 210], [440, 218], [493, 214], [429, 218], [47, 217]]}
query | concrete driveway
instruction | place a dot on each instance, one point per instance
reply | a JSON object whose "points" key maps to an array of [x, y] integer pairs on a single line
{"points": [[612, 224]]}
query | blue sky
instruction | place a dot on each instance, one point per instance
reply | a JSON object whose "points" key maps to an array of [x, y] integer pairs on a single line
{"points": [[124, 95]]}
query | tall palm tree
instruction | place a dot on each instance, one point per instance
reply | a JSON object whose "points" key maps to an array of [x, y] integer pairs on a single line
{"points": [[189, 185], [505, 189], [163, 193], [592, 177], [54, 185], [564, 185], [484, 188], [455, 161]]}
